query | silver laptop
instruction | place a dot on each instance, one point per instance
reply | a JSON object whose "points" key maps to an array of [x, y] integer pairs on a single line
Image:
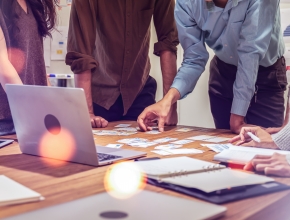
{"points": [[145, 205], [54, 122]]}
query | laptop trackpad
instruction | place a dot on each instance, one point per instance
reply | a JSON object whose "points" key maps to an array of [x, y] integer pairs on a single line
{"points": [[105, 150]]}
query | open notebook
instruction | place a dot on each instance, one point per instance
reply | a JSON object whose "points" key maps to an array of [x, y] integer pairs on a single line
{"points": [[242, 155], [208, 181], [12, 192], [192, 173]]}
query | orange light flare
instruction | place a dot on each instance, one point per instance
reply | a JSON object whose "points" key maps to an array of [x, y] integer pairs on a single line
{"points": [[61, 147], [17, 59], [238, 167], [124, 180]]}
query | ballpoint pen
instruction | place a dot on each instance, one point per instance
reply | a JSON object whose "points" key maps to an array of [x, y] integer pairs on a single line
{"points": [[254, 137]]}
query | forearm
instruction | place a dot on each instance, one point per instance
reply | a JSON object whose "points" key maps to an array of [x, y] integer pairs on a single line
{"points": [[282, 138], [168, 68], [286, 121], [8, 74], [171, 97], [83, 80]]}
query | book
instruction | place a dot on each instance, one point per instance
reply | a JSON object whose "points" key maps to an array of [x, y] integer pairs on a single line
{"points": [[12, 192], [242, 155], [202, 175]]}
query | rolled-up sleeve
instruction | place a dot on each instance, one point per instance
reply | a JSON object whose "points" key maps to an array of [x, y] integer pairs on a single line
{"points": [[163, 17], [255, 36], [195, 54], [81, 36]]}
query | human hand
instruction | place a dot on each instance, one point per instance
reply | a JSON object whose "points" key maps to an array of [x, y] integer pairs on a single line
{"points": [[172, 117], [244, 139], [275, 164], [236, 123], [158, 111], [98, 122]]}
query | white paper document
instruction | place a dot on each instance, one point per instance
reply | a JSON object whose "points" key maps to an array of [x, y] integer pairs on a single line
{"points": [[166, 152], [242, 155], [208, 138], [217, 147], [12, 192]]}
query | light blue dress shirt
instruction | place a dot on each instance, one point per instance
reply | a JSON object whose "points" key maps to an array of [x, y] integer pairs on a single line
{"points": [[246, 33]]}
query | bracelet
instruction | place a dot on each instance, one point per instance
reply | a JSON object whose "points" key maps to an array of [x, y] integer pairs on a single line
{"points": [[288, 158]]}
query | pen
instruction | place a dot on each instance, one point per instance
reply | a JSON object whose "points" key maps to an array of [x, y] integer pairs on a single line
{"points": [[254, 137]]}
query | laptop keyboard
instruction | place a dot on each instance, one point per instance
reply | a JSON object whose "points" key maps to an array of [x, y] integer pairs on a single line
{"points": [[104, 157]]}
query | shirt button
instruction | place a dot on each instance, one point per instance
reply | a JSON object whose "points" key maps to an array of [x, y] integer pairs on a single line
{"points": [[231, 57], [128, 51]]}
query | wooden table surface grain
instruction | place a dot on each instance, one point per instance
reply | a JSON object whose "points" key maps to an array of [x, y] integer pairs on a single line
{"points": [[62, 182]]}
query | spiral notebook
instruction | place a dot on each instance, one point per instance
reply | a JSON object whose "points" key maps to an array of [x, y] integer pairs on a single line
{"points": [[202, 175]]}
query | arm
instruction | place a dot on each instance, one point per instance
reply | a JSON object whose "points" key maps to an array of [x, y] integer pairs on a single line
{"points": [[169, 69], [195, 57], [81, 46], [8, 74], [255, 36], [282, 138], [83, 80], [166, 48]]}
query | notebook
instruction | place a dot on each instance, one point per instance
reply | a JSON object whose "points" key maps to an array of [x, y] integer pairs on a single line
{"points": [[12, 192], [242, 155], [208, 181], [193, 173]]}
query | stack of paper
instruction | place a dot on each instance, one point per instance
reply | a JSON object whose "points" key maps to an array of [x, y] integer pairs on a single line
{"points": [[242, 155], [12, 192]]}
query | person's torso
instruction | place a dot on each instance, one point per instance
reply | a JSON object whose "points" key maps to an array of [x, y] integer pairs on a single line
{"points": [[25, 53], [222, 27], [122, 47], [26, 49]]}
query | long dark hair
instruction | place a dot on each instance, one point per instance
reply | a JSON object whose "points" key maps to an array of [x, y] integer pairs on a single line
{"points": [[44, 12]]}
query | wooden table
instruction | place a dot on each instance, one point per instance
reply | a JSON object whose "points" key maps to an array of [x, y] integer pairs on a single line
{"points": [[64, 182]]}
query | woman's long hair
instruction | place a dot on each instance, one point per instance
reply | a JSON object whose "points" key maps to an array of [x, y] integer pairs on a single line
{"points": [[44, 12]]}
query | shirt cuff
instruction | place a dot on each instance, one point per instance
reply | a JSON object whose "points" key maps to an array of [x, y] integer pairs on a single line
{"points": [[161, 45], [240, 107], [180, 85], [80, 62], [282, 138]]}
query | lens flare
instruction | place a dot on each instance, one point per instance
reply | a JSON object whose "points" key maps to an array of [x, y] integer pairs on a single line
{"points": [[17, 59], [124, 180], [61, 147]]}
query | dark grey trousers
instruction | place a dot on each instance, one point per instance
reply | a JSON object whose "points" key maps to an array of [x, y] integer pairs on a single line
{"points": [[267, 105], [145, 98]]}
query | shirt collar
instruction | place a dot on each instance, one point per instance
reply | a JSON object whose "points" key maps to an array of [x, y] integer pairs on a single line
{"points": [[210, 4]]}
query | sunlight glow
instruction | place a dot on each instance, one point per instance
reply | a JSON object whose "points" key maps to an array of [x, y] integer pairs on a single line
{"points": [[61, 146], [124, 180]]}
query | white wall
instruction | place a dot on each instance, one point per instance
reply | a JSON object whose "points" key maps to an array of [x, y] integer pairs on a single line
{"points": [[59, 66]]}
